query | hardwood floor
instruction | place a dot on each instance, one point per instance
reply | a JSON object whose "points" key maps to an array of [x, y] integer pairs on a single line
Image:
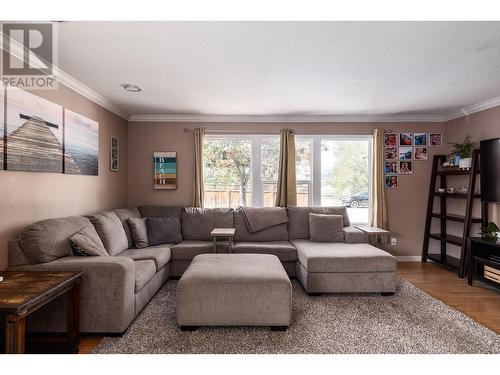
{"points": [[479, 302]]}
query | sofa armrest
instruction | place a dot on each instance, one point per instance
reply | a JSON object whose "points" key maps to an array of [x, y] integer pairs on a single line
{"points": [[354, 235], [106, 293]]}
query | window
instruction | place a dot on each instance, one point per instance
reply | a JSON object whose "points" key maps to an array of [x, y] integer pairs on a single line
{"points": [[331, 171], [240, 170]]}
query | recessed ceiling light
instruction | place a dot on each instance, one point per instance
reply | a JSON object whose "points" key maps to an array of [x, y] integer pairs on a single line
{"points": [[132, 88]]}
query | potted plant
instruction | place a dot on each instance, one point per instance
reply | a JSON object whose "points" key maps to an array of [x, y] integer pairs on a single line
{"points": [[489, 230], [464, 151]]}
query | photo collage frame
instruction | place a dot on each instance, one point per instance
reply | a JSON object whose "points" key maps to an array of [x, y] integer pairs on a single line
{"points": [[403, 150]]}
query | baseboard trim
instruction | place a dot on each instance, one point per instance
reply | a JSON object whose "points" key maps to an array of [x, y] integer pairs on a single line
{"points": [[409, 258]]}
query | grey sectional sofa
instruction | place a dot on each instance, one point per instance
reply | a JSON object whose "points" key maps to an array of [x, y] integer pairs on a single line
{"points": [[116, 288]]}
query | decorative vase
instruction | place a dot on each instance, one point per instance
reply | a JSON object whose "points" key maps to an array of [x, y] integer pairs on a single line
{"points": [[465, 163]]}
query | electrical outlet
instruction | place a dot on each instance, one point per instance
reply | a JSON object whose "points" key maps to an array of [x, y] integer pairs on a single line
{"points": [[394, 241]]}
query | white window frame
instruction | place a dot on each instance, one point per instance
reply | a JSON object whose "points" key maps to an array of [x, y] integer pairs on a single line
{"points": [[315, 183], [256, 160]]}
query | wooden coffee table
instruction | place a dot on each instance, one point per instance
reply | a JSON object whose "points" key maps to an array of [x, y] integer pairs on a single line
{"points": [[22, 293]]}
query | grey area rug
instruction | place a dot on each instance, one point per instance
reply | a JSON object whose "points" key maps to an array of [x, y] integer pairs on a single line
{"points": [[411, 321]]}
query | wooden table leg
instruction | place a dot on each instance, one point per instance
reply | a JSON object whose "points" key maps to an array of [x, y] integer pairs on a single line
{"points": [[215, 245], [230, 240], [73, 318], [15, 334]]}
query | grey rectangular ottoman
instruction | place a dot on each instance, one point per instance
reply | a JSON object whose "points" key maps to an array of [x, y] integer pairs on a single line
{"points": [[234, 290]]}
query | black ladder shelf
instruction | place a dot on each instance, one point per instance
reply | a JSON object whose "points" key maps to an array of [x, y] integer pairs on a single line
{"points": [[457, 264]]}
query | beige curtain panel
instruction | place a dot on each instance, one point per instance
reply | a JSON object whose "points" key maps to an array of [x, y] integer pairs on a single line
{"points": [[378, 216], [286, 194], [199, 135]]}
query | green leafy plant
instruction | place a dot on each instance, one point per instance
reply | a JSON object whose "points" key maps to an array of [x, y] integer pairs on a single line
{"points": [[464, 149], [489, 230]]}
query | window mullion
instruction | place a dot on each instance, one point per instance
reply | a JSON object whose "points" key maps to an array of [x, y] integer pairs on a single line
{"points": [[316, 171], [257, 190]]}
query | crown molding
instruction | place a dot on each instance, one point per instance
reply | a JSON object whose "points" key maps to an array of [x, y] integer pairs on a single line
{"points": [[18, 51], [474, 108], [78, 87], [286, 118]]}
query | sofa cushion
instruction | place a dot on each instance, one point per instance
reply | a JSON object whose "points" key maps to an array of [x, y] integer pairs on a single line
{"points": [[298, 226], [276, 233], [87, 243], [161, 211], [284, 250], [48, 240], [124, 214], [144, 271], [110, 229], [198, 223], [326, 228], [139, 232], [16, 256], [342, 257], [162, 230], [187, 250], [159, 254]]}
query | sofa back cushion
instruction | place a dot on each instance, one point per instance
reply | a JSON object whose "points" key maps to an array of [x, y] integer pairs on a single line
{"points": [[124, 214], [298, 226], [198, 223], [16, 254], [49, 240], [161, 211], [242, 234], [162, 230], [326, 228], [110, 229]]}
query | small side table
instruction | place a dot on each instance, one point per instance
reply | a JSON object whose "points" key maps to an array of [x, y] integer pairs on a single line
{"points": [[372, 232], [223, 233], [22, 293], [483, 259]]}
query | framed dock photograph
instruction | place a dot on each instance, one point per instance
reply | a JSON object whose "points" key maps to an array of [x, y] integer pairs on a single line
{"points": [[33, 133], [165, 170], [81, 144]]}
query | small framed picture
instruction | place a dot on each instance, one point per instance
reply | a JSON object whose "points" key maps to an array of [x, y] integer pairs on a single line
{"points": [[391, 153], [391, 167], [114, 155], [406, 139], [405, 167], [435, 139], [420, 139], [405, 153], [391, 182], [390, 139], [421, 153]]}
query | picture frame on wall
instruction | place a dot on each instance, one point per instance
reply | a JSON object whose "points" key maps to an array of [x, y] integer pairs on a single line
{"points": [[32, 133], [421, 153], [435, 139], [406, 139], [390, 139], [405, 167], [391, 181], [114, 156], [420, 139], [391, 167], [165, 170], [405, 153], [81, 144], [391, 153]]}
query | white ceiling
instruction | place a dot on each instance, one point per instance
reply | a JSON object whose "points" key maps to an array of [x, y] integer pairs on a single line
{"points": [[286, 68]]}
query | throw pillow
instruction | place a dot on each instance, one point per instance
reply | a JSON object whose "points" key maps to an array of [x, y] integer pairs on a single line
{"points": [[87, 243], [110, 229], [163, 230], [326, 228], [139, 232]]}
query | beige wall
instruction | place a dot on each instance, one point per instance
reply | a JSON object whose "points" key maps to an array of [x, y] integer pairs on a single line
{"points": [[28, 197], [407, 205]]}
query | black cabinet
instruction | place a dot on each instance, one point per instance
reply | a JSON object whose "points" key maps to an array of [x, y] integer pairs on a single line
{"points": [[483, 255]]}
